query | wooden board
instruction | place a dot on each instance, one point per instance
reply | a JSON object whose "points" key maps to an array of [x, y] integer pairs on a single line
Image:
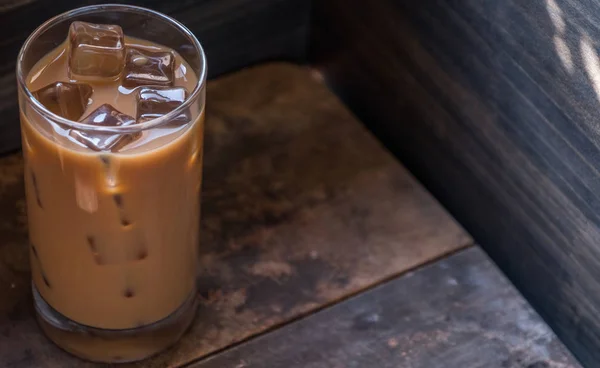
{"points": [[459, 312], [494, 106], [301, 207], [234, 33]]}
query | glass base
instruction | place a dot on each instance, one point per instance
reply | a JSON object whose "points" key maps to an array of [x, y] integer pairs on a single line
{"points": [[113, 346]]}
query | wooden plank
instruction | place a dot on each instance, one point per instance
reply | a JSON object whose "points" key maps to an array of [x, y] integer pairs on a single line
{"points": [[301, 207], [234, 34], [459, 312], [493, 105]]}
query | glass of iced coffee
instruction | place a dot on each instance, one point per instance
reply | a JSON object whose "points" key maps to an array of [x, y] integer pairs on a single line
{"points": [[112, 116]]}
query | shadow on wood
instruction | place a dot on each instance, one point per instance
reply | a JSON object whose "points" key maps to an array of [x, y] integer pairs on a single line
{"points": [[494, 105]]}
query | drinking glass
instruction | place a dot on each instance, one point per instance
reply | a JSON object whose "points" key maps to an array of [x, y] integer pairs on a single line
{"points": [[113, 235]]}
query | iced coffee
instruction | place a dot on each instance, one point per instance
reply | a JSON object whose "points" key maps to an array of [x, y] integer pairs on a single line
{"points": [[112, 132]]}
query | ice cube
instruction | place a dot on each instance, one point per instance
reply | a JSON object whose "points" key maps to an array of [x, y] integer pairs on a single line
{"points": [[68, 100], [148, 68], [105, 115], [96, 51], [154, 102]]}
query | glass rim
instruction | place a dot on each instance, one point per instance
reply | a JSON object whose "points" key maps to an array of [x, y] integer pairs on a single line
{"points": [[91, 9]]}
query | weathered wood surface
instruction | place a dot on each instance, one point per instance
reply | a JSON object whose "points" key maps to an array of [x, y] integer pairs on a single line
{"points": [[459, 312], [301, 207], [234, 34], [494, 106]]}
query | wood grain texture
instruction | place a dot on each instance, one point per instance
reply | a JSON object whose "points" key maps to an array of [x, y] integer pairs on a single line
{"points": [[234, 34], [301, 207], [493, 105], [459, 312]]}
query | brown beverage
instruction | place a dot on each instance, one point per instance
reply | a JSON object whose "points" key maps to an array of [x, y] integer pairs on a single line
{"points": [[113, 216]]}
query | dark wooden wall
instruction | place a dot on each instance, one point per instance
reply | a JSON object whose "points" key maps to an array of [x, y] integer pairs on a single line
{"points": [[495, 106], [234, 33]]}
